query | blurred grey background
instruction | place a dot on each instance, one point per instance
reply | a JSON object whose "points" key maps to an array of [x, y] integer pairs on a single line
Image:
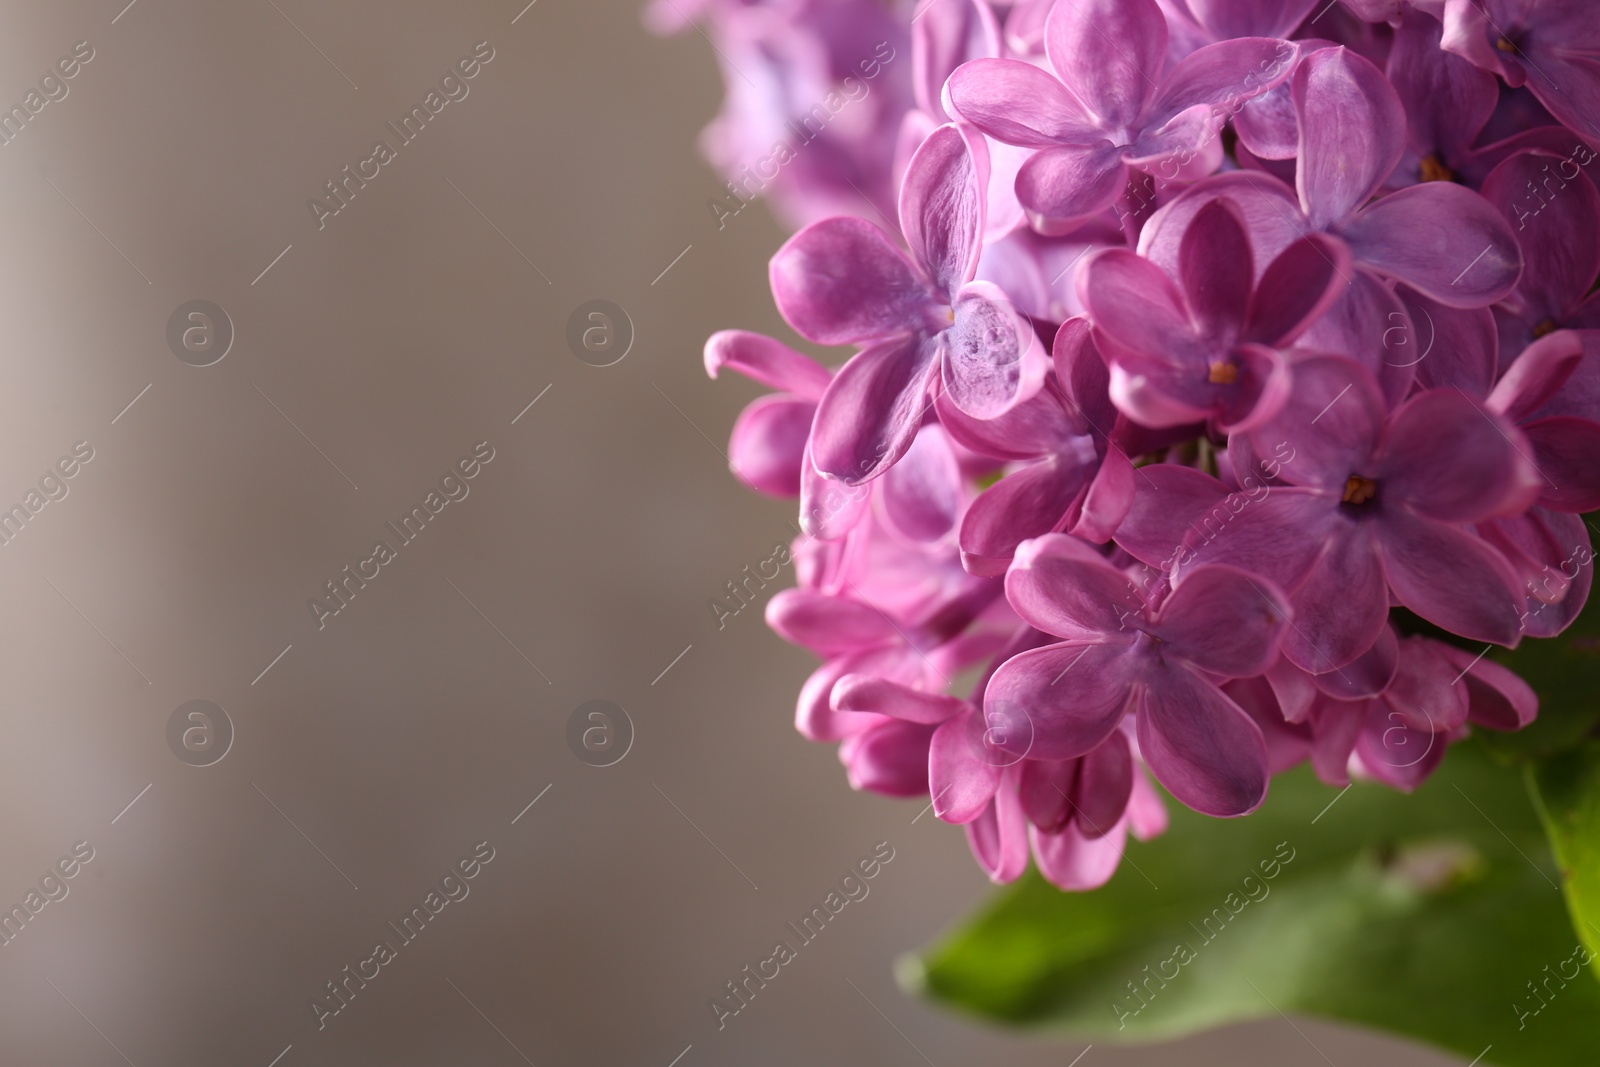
{"points": [[368, 356]]}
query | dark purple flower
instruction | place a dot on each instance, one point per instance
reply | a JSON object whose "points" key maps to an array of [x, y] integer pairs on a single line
{"points": [[1203, 347], [1375, 506], [1551, 46], [1554, 212]]}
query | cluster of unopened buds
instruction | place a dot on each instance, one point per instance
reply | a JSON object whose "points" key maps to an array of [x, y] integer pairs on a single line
{"points": [[1225, 390]]}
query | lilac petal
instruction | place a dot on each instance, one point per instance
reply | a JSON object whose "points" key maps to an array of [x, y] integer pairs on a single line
{"points": [[1019, 104], [870, 693], [1074, 695], [1447, 99], [1424, 694], [1202, 746], [827, 624], [1249, 533], [1565, 449], [1108, 500], [767, 447], [1444, 240], [1109, 53], [1069, 860], [1453, 347], [993, 360], [1397, 754], [1046, 792], [1064, 183], [1266, 124], [1105, 782], [870, 414], [1294, 689], [1168, 502], [1367, 675], [961, 782], [1224, 621], [1250, 18], [814, 716], [1497, 697], [1271, 212], [1366, 309], [1082, 375], [1340, 604], [1554, 217], [1331, 422], [1352, 133], [890, 759], [1288, 744], [1335, 727], [1024, 504], [942, 200], [922, 494], [1215, 269], [1148, 393], [763, 359], [999, 837], [1038, 426], [1448, 458], [1062, 586], [1533, 380], [1259, 391], [1224, 75], [1552, 556], [1147, 813], [1296, 288], [829, 508], [943, 36], [841, 281], [1450, 578], [1136, 306], [1567, 82]]}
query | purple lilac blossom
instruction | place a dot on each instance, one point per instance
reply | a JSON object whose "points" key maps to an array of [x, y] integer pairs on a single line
{"points": [[1212, 333]]}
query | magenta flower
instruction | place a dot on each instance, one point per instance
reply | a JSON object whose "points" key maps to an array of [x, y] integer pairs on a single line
{"points": [[923, 318], [1554, 211], [1204, 348], [767, 448], [1551, 46], [1108, 108], [1441, 239], [1447, 100], [1080, 481], [1375, 506], [1157, 658], [1074, 813]]}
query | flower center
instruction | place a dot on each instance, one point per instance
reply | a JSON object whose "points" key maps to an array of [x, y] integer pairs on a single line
{"points": [[1505, 45], [1359, 490], [1434, 171], [1546, 327], [1223, 373]]}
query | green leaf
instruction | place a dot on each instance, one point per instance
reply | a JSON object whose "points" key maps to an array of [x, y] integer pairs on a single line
{"points": [[1434, 915], [1568, 789]]}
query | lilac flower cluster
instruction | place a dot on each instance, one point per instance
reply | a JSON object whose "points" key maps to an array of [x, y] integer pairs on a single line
{"points": [[1221, 352]]}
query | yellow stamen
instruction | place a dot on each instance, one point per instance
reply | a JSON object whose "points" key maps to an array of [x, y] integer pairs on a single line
{"points": [[1505, 45], [1544, 329], [1359, 490], [1432, 170], [1223, 373]]}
